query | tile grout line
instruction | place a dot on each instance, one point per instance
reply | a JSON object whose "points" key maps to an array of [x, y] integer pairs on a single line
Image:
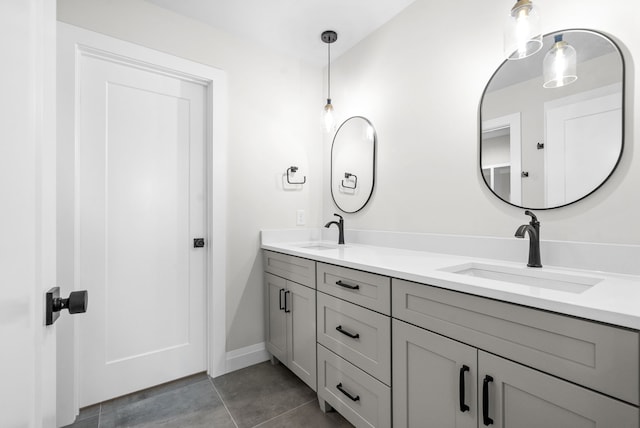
{"points": [[284, 413], [222, 400]]}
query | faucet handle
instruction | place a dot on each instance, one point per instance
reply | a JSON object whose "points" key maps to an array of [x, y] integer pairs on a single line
{"points": [[534, 219], [339, 216]]}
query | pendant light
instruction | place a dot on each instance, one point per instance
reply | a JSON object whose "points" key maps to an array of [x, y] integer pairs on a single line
{"points": [[328, 118], [522, 32], [559, 65]]}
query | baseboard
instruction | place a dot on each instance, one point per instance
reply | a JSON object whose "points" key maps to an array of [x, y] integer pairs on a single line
{"points": [[247, 356]]}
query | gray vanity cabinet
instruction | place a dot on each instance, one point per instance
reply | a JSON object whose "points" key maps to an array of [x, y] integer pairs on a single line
{"points": [[432, 377], [291, 326], [276, 325], [439, 382], [452, 330], [290, 312], [354, 344], [520, 397]]}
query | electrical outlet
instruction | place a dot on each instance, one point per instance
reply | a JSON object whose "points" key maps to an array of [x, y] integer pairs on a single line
{"points": [[300, 218]]}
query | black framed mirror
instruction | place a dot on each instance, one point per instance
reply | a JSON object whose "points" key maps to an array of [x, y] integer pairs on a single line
{"points": [[545, 144], [353, 164]]}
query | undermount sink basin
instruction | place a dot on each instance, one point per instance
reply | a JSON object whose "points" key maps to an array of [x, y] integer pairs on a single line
{"points": [[530, 276], [319, 246]]}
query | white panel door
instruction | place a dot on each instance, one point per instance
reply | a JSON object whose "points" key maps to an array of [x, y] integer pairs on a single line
{"points": [[582, 143], [140, 204]]}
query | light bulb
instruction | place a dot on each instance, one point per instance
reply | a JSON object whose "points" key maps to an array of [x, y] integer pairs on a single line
{"points": [[328, 117], [559, 65], [522, 33]]}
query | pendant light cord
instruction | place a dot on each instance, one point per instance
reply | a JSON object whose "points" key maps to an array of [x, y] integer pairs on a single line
{"points": [[328, 71]]}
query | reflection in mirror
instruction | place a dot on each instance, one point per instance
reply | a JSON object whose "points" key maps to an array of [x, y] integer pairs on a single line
{"points": [[353, 158], [548, 147]]}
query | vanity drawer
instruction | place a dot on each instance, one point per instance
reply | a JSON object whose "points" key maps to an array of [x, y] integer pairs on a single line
{"points": [[361, 399], [296, 269], [598, 356], [339, 320], [362, 288]]}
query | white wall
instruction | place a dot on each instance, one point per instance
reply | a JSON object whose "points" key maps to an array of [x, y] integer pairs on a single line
{"points": [[274, 123], [419, 79]]}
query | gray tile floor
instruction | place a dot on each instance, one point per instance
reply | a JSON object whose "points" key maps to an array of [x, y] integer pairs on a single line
{"points": [[263, 395]]}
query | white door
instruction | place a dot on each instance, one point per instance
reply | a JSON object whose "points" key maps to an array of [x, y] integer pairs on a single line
{"points": [[27, 213], [141, 202], [582, 143]]}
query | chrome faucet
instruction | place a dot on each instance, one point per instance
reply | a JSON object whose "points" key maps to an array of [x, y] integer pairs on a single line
{"points": [[534, 239], [340, 225]]}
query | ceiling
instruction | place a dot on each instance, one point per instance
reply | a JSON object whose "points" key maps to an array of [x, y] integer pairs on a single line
{"points": [[293, 27]]}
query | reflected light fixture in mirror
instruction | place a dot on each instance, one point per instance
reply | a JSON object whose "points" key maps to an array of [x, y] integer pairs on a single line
{"points": [[559, 65], [328, 114], [523, 31]]}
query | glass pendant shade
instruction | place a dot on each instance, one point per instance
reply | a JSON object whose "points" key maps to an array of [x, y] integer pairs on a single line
{"points": [[328, 118], [522, 31], [559, 66]]}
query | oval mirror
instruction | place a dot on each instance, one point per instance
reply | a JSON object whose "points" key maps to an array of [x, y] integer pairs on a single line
{"points": [[353, 164], [547, 138]]}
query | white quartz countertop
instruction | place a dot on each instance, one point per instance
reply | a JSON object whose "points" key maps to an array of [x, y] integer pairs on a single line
{"points": [[614, 298]]}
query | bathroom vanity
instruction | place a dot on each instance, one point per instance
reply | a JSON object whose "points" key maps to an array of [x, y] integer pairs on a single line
{"points": [[409, 338]]}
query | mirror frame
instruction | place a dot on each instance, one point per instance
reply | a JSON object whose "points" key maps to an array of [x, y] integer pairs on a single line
{"points": [[622, 124], [373, 170]]}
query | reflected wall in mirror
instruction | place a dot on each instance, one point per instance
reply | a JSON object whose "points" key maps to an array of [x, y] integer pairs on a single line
{"points": [[544, 148], [353, 164]]}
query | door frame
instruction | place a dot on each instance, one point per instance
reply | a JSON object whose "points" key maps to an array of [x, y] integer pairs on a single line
{"points": [[73, 42], [511, 122], [27, 189]]}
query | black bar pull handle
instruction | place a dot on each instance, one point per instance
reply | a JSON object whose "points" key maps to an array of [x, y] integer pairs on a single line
{"points": [[486, 420], [286, 306], [349, 286], [351, 397], [346, 333], [280, 302], [463, 406]]}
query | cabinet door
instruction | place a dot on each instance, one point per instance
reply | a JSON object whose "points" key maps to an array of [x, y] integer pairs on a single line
{"points": [[520, 397], [276, 319], [427, 369], [301, 326]]}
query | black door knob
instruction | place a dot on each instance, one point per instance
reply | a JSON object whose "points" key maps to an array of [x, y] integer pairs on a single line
{"points": [[76, 303]]}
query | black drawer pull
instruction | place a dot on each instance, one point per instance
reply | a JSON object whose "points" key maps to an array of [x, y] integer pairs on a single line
{"points": [[346, 333], [463, 406], [351, 397], [349, 286], [286, 307], [281, 305], [486, 420]]}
